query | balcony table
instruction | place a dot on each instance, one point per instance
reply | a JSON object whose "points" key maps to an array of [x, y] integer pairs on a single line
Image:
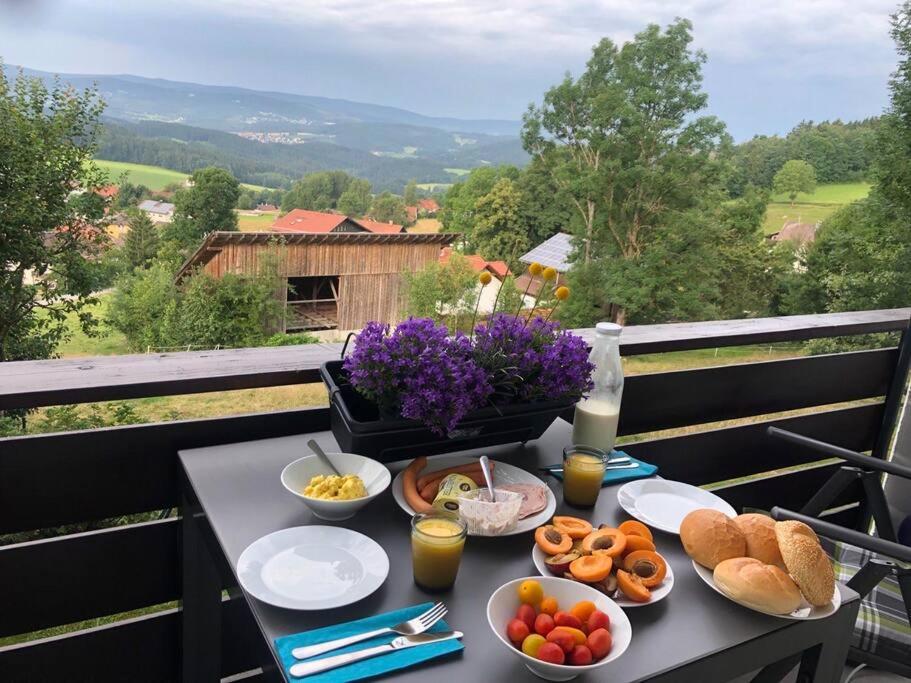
{"points": [[232, 496]]}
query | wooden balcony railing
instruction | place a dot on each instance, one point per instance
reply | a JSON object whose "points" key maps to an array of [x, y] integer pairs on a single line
{"points": [[48, 481]]}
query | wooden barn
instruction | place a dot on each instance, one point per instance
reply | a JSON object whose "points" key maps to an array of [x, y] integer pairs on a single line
{"points": [[335, 280]]}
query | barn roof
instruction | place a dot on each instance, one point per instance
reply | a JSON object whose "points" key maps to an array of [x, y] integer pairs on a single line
{"points": [[301, 220], [216, 240], [378, 226]]}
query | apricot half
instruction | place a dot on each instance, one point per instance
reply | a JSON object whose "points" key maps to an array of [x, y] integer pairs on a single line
{"points": [[634, 543], [632, 527], [592, 568], [608, 541], [632, 587], [573, 526], [647, 566], [552, 541]]}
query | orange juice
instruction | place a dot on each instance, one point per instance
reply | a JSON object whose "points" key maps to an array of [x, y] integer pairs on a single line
{"points": [[437, 541], [583, 474]]}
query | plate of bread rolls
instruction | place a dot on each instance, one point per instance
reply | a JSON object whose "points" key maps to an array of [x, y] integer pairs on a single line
{"points": [[777, 568]]}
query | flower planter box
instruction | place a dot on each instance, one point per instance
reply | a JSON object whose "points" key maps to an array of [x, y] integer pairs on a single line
{"points": [[359, 428]]}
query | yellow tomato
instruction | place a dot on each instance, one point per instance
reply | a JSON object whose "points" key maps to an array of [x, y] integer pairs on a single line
{"points": [[532, 644], [530, 592]]}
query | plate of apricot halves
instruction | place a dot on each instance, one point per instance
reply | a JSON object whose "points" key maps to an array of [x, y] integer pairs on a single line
{"points": [[622, 562]]}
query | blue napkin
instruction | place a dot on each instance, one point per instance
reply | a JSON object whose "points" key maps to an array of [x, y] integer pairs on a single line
{"points": [[615, 476], [375, 666]]}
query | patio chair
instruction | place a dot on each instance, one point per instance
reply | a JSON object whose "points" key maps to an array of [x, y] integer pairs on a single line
{"points": [[869, 564]]}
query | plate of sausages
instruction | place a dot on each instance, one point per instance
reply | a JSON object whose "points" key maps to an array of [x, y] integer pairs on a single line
{"points": [[413, 487]]}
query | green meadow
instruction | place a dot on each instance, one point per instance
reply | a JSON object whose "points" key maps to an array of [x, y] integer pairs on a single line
{"points": [[814, 207]]}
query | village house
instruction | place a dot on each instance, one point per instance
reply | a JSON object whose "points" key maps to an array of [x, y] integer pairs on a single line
{"points": [[301, 220], [333, 280], [266, 208], [159, 212], [554, 252], [498, 270], [802, 234], [424, 208]]}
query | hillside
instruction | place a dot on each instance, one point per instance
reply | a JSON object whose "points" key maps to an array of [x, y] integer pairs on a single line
{"points": [[812, 208]]}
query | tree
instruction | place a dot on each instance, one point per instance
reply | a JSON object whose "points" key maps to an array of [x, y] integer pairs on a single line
{"points": [[459, 204], [246, 200], [355, 201], [793, 178], [317, 191], [641, 169], [411, 193], [498, 231], [441, 291], [204, 207], [141, 243], [387, 208], [48, 231], [544, 208], [129, 194]]}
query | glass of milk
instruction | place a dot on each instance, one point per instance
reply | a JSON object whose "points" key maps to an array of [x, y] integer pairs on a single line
{"points": [[595, 421]]}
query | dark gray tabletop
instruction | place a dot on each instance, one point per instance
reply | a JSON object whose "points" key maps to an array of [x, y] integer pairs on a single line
{"points": [[239, 489]]}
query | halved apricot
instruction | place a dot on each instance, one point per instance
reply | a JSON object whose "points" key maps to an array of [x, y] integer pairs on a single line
{"points": [[647, 566], [575, 527], [634, 543], [608, 541], [632, 527], [591, 568], [552, 541], [632, 587]]}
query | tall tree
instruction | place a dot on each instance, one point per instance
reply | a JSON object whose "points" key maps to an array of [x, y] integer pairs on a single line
{"points": [[498, 230], [388, 208], [355, 200], [317, 191], [627, 146], [459, 205], [47, 231], [794, 177], [411, 192], [204, 207], [141, 242]]}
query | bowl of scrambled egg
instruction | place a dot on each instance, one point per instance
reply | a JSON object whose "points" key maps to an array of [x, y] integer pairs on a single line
{"points": [[330, 496]]}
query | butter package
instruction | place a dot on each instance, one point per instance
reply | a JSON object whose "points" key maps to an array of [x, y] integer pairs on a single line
{"points": [[451, 489]]}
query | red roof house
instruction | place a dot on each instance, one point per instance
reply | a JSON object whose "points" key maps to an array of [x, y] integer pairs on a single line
{"points": [[478, 263], [107, 191], [378, 227], [301, 220], [428, 205]]}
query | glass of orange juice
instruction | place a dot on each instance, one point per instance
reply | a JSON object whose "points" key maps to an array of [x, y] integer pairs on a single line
{"points": [[437, 540], [583, 474]]}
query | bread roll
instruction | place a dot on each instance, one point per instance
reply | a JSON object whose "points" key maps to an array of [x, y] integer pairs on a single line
{"points": [[710, 536], [759, 533], [806, 561], [758, 585]]}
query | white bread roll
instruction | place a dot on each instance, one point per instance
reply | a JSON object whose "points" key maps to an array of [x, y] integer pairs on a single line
{"points": [[806, 561], [710, 536], [759, 533], [758, 585]]}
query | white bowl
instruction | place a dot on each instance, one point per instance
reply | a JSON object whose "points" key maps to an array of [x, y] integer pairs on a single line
{"points": [[504, 602], [297, 475]]}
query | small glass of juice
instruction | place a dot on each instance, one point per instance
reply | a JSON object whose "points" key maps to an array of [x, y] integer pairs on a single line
{"points": [[583, 474], [437, 540]]}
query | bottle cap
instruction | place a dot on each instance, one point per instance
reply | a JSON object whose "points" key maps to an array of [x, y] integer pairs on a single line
{"points": [[608, 328]]}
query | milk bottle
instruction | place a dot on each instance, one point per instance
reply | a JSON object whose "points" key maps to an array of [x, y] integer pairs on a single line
{"points": [[595, 421]]}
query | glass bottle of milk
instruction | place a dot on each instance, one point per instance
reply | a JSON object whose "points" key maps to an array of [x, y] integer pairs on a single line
{"points": [[595, 421]]}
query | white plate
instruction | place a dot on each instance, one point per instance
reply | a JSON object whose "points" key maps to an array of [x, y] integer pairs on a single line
{"points": [[805, 611], [312, 567], [503, 473], [662, 503], [659, 593]]}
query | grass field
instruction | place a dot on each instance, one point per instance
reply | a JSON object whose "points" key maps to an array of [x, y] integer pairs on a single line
{"points": [[426, 225], [153, 177], [812, 208], [249, 222], [104, 342]]}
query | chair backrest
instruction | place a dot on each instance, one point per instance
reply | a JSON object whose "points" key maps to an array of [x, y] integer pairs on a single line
{"points": [[898, 435]]}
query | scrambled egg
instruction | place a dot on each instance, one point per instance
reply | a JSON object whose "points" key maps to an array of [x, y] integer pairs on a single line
{"points": [[334, 487]]}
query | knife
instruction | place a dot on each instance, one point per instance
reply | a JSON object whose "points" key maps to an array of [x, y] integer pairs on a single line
{"points": [[319, 665]]}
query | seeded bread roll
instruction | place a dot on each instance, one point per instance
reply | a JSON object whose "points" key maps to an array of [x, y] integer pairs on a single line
{"points": [[759, 533], [806, 561], [758, 585], [710, 536]]}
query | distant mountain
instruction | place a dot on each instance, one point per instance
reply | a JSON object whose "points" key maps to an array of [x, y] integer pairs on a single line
{"points": [[383, 144]]}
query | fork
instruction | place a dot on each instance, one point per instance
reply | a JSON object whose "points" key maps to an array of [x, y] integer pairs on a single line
{"points": [[412, 627]]}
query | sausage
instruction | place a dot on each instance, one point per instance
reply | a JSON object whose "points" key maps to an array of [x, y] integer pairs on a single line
{"points": [[458, 469], [409, 485], [429, 492]]}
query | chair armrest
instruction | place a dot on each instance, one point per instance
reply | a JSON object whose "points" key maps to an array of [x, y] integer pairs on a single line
{"points": [[890, 549], [859, 459]]}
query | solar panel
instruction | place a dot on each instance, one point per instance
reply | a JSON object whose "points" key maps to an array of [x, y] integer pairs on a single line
{"points": [[554, 252]]}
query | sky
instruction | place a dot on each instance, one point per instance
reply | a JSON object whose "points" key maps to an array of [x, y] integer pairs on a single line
{"points": [[771, 63]]}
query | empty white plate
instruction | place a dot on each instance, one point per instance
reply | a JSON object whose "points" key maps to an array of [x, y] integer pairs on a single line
{"points": [[312, 567], [805, 611], [663, 504]]}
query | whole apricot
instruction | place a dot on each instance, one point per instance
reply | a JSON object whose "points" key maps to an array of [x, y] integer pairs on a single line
{"points": [[549, 605], [530, 592], [527, 614], [517, 631], [563, 639], [567, 619], [580, 656], [596, 620], [532, 644], [582, 610], [599, 642], [551, 652], [544, 624]]}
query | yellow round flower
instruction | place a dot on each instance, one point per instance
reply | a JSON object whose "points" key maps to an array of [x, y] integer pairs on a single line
{"points": [[535, 269], [485, 278], [549, 274], [562, 293]]}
